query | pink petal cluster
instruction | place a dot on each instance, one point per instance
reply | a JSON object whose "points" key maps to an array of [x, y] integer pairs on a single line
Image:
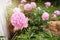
{"points": [[19, 21], [57, 12], [54, 16], [16, 10], [33, 4], [45, 16], [27, 7], [23, 1], [47, 4]]}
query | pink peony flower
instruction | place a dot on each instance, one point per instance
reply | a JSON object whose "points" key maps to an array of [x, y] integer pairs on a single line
{"points": [[19, 21], [54, 16], [16, 10], [45, 16], [57, 12], [23, 1], [27, 7], [47, 4], [33, 4]]}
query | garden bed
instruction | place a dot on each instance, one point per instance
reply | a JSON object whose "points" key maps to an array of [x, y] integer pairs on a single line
{"points": [[39, 20]]}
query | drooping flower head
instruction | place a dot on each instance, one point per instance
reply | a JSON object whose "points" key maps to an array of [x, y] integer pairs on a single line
{"points": [[45, 16], [19, 21], [57, 12], [54, 16], [23, 1], [27, 7], [33, 4], [47, 4]]}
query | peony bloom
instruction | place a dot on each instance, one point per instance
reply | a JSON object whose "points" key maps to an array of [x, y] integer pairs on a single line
{"points": [[19, 21], [54, 16], [27, 7], [23, 1], [16, 10], [57, 12], [45, 16], [33, 4], [47, 4]]}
